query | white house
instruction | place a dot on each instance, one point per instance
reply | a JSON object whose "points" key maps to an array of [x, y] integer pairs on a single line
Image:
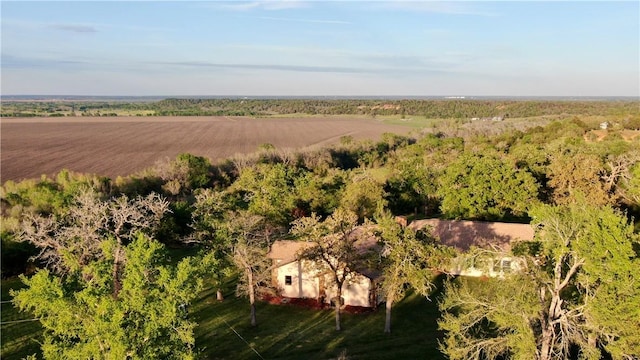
{"points": [[295, 278], [301, 279], [291, 277], [495, 236]]}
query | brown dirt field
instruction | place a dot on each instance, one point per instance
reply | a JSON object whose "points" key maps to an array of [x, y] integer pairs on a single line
{"points": [[599, 135], [630, 135], [124, 145]]}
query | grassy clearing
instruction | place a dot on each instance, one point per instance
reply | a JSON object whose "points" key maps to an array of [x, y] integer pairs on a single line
{"points": [[283, 331], [414, 121], [290, 332], [18, 337]]}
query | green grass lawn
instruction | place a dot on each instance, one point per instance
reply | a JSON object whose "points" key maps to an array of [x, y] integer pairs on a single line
{"points": [[283, 331], [292, 332], [19, 338]]}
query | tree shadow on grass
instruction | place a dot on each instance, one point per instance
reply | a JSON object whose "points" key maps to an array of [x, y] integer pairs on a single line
{"points": [[291, 332]]}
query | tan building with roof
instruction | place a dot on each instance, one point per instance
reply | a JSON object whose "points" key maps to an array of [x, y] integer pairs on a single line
{"points": [[295, 278], [291, 277], [494, 236]]}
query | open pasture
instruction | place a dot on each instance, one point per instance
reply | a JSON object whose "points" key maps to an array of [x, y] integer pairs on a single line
{"points": [[123, 145]]}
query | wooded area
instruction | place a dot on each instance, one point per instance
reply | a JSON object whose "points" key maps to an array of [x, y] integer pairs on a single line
{"points": [[430, 109], [101, 285]]}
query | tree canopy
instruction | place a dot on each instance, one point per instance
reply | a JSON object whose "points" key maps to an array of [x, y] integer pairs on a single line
{"points": [[148, 319], [485, 187], [579, 293]]}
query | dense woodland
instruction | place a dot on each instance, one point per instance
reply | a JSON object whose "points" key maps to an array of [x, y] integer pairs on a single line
{"points": [[99, 284], [430, 109]]}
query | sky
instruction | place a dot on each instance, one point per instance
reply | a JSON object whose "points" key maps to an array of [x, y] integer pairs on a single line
{"points": [[320, 48]]}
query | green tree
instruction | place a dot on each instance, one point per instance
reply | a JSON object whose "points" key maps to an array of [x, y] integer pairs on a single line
{"points": [[185, 173], [268, 190], [319, 194], [576, 173], [486, 187], [252, 238], [238, 239], [363, 195], [578, 291], [30, 196], [210, 229], [412, 184], [70, 241], [631, 185], [407, 260], [147, 319], [623, 177], [608, 278], [489, 319], [334, 248]]}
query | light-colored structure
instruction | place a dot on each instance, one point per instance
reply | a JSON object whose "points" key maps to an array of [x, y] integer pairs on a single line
{"points": [[296, 278], [494, 236], [301, 279], [291, 277]]}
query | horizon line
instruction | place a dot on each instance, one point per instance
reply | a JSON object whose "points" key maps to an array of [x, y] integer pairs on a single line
{"points": [[282, 96]]}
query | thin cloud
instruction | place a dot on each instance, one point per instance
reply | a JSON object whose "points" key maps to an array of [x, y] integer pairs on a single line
{"points": [[377, 71], [304, 20], [262, 5], [288, 49], [296, 68], [18, 62], [389, 61], [437, 7], [81, 29], [244, 6], [438, 32], [443, 62]]}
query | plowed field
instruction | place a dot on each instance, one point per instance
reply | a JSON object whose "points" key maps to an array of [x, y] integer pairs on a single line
{"points": [[123, 145]]}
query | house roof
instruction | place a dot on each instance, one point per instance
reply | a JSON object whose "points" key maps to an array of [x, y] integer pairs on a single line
{"points": [[287, 250], [462, 234]]}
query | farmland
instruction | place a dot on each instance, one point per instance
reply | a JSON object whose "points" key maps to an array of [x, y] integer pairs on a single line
{"points": [[123, 145], [508, 171]]}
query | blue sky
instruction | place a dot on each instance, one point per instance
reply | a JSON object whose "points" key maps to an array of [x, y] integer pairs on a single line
{"points": [[306, 48]]}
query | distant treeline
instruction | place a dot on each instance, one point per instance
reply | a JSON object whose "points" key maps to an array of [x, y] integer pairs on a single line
{"points": [[428, 108], [435, 109]]}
